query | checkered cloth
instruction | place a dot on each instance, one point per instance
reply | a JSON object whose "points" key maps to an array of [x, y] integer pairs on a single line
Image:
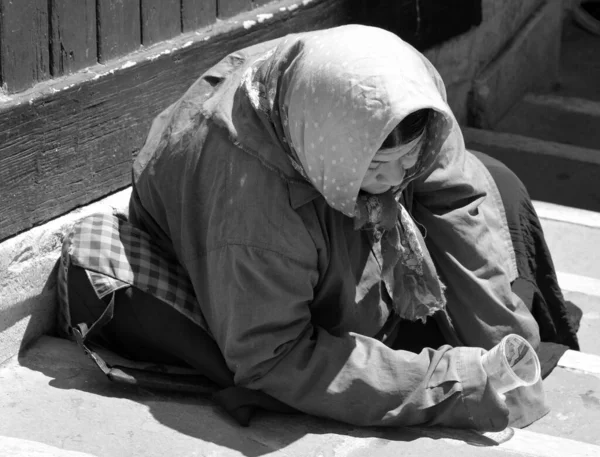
{"points": [[115, 254]]}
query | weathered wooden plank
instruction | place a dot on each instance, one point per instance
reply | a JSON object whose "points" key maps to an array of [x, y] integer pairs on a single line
{"points": [[62, 150], [119, 28], [198, 13], [23, 43], [228, 8], [161, 20], [72, 35]]}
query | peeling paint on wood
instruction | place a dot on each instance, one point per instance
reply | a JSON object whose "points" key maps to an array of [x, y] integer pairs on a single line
{"points": [[161, 20], [198, 13], [119, 28], [64, 146], [23, 43], [228, 8], [72, 35]]}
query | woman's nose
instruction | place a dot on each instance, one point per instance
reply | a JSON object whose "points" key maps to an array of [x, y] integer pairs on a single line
{"points": [[392, 174]]}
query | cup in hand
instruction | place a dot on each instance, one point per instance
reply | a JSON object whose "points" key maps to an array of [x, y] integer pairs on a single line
{"points": [[511, 363]]}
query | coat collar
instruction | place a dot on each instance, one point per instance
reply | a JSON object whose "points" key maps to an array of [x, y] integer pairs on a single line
{"points": [[301, 193]]}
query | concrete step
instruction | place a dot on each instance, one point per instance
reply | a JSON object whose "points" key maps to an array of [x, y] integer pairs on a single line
{"points": [[557, 118], [570, 113], [54, 395], [573, 237], [16, 447], [580, 362], [28, 279], [574, 398], [553, 172], [529, 62], [589, 330], [579, 63]]}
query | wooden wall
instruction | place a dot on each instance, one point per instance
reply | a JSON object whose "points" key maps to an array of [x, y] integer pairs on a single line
{"points": [[71, 141], [41, 39]]}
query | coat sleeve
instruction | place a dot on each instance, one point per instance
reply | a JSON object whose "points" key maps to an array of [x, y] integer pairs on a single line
{"points": [[460, 207], [257, 305]]}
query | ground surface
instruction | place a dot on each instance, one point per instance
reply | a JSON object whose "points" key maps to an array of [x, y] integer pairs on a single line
{"points": [[55, 402], [54, 395]]}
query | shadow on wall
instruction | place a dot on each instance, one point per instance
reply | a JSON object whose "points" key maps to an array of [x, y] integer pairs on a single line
{"points": [[422, 23], [39, 309]]}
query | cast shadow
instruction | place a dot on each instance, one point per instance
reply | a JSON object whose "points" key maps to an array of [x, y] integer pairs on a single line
{"points": [[200, 418]]}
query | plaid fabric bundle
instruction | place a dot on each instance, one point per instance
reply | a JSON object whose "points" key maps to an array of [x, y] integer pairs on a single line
{"points": [[115, 254]]}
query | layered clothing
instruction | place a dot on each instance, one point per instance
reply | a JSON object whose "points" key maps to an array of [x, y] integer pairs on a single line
{"points": [[251, 182]]}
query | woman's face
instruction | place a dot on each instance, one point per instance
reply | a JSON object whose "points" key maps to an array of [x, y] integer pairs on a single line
{"points": [[388, 168]]}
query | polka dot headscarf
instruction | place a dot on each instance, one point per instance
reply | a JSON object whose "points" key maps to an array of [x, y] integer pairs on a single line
{"points": [[334, 96]]}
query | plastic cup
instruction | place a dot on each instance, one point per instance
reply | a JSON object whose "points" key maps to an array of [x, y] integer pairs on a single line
{"points": [[511, 363]]}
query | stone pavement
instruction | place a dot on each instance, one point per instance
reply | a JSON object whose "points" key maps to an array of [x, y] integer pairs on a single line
{"points": [[16, 447], [52, 398], [55, 403], [28, 280], [53, 394]]}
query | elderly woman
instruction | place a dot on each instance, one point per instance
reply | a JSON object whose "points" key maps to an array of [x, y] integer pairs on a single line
{"points": [[346, 255]]}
